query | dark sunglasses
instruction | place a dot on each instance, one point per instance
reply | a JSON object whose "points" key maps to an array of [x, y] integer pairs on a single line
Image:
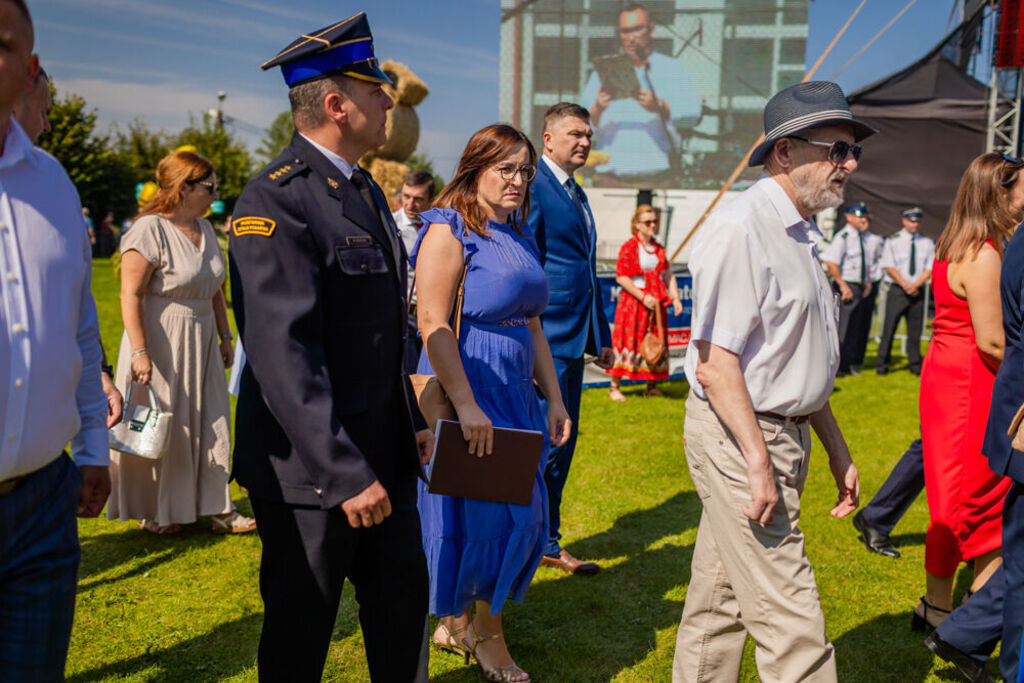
{"points": [[654, 222], [210, 187], [837, 151], [1008, 159]]}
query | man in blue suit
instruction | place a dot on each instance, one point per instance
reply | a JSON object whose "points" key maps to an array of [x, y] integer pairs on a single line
{"points": [[969, 635], [574, 322]]}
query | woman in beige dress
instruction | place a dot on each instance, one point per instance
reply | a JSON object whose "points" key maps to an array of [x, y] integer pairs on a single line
{"points": [[177, 340]]}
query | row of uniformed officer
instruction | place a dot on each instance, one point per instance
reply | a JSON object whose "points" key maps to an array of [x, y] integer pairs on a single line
{"points": [[329, 439], [853, 260]]}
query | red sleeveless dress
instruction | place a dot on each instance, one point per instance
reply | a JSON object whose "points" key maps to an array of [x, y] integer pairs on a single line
{"points": [[965, 498]]}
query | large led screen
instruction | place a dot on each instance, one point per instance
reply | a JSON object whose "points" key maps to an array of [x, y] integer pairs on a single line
{"points": [[675, 88]]}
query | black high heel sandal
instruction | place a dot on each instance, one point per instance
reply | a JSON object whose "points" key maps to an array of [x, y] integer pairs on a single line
{"points": [[919, 622]]}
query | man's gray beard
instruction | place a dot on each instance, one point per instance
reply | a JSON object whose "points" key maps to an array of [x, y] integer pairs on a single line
{"points": [[816, 198]]}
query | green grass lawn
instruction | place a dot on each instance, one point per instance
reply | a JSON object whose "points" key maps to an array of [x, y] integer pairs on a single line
{"points": [[187, 607]]}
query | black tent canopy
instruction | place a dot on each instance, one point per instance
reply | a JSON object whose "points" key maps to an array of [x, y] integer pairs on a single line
{"points": [[931, 119]]}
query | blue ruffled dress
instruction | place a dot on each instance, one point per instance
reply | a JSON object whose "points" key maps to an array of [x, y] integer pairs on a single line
{"points": [[478, 550]]}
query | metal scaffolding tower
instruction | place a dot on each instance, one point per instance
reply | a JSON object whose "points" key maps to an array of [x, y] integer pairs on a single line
{"points": [[1004, 105]]}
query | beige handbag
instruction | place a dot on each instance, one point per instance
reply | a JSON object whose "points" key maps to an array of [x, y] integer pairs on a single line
{"points": [[430, 395], [143, 432], [652, 346], [1016, 430]]}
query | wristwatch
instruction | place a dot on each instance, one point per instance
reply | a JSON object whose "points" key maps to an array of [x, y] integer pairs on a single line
{"points": [[227, 336], [109, 369]]}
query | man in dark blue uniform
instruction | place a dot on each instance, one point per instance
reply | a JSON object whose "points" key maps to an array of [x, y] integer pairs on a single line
{"points": [[329, 440]]}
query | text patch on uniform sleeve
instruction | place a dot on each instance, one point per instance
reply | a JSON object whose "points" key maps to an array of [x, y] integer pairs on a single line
{"points": [[253, 225]]}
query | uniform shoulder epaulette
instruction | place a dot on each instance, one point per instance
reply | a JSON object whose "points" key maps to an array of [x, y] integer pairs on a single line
{"points": [[282, 172]]}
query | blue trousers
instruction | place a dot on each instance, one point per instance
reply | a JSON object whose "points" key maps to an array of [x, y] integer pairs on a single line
{"points": [[570, 382], [39, 554], [900, 490], [997, 610]]}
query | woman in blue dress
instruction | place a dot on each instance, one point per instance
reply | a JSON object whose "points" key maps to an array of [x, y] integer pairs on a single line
{"points": [[481, 553]]}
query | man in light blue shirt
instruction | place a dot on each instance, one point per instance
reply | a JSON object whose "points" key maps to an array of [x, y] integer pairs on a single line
{"points": [[637, 131], [49, 382]]}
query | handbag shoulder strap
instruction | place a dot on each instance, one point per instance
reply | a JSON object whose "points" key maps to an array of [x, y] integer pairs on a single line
{"points": [[656, 317], [459, 295]]}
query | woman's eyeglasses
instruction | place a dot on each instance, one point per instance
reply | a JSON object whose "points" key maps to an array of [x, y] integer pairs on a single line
{"points": [[509, 172], [837, 150]]}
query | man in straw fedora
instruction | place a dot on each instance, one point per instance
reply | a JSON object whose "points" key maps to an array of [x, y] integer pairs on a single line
{"points": [[761, 366]]}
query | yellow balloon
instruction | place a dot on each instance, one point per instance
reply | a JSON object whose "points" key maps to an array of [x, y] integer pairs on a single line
{"points": [[149, 191], [188, 148]]}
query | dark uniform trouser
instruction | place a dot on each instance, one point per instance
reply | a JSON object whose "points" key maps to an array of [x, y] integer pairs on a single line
{"points": [[901, 488], [861, 343], [852, 325], [897, 305], [997, 610], [307, 554]]}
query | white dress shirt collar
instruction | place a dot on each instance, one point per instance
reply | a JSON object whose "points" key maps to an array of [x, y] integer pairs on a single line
{"points": [[16, 145], [342, 165], [560, 175]]}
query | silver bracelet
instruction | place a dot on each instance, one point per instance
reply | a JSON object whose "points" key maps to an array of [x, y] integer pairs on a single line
{"points": [[139, 352]]}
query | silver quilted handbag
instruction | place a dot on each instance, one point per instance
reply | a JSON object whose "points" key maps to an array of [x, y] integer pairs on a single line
{"points": [[144, 432]]}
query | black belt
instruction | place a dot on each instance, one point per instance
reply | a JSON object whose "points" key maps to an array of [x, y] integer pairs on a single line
{"points": [[8, 485], [795, 419]]}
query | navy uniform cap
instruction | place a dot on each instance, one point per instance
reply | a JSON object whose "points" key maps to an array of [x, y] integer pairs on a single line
{"points": [[343, 48]]}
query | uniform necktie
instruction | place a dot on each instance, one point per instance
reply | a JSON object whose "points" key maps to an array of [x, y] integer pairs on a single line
{"points": [[362, 182], [863, 261], [913, 256]]}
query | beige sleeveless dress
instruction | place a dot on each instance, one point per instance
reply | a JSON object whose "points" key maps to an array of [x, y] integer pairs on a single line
{"points": [[188, 378]]}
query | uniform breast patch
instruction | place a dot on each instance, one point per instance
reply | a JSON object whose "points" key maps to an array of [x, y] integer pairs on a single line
{"points": [[253, 225]]}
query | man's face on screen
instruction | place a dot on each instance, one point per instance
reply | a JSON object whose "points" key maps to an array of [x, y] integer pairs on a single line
{"points": [[636, 32]]}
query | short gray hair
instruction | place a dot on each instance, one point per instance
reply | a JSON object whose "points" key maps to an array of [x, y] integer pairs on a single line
{"points": [[307, 100]]}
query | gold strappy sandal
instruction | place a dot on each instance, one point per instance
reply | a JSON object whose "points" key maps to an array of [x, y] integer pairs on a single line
{"points": [[451, 638], [510, 673]]}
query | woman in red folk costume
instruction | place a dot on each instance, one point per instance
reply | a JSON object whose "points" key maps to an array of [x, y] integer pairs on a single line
{"points": [[647, 281]]}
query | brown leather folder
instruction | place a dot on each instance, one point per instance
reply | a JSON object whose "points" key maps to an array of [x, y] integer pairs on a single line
{"points": [[504, 476]]}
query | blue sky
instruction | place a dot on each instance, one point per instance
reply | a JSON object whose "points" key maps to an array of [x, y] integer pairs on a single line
{"points": [[162, 60]]}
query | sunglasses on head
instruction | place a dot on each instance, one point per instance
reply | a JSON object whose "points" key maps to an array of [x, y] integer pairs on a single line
{"points": [[837, 150]]}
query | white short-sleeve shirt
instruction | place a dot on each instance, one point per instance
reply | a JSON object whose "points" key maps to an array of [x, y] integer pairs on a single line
{"points": [[845, 252], [896, 254], [759, 291]]}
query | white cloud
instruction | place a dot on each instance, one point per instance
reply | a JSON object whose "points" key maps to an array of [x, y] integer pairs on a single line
{"points": [[168, 105]]}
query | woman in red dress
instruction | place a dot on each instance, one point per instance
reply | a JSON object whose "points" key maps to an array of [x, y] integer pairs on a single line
{"points": [[646, 280], [965, 498]]}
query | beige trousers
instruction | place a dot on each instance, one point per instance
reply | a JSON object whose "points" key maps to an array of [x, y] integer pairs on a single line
{"points": [[745, 578]]}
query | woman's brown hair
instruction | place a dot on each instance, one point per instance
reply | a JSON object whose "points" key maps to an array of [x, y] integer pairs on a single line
{"points": [[641, 210], [981, 210], [487, 147], [173, 172]]}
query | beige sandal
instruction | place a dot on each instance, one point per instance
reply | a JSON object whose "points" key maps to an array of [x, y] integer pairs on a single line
{"points": [[232, 524], [154, 528], [450, 639], [616, 395], [510, 673]]}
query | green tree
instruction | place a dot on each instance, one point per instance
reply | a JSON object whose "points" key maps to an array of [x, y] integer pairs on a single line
{"points": [[277, 137], [104, 180], [141, 149], [230, 157], [420, 161]]}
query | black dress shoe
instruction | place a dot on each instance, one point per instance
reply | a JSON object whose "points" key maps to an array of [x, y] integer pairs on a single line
{"points": [[970, 667], [874, 540]]}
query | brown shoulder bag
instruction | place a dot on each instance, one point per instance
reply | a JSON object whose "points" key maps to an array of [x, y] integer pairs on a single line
{"points": [[430, 395]]}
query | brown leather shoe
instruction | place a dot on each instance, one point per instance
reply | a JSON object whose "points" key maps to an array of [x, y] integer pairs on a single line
{"points": [[569, 564]]}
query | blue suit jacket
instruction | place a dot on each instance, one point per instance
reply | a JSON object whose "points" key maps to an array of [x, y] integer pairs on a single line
{"points": [[574, 321], [1008, 392]]}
